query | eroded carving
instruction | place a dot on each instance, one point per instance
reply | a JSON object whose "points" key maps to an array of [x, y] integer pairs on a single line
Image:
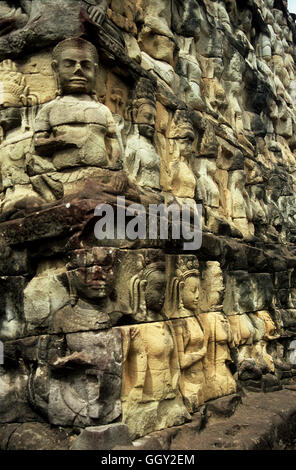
{"points": [[74, 130]]}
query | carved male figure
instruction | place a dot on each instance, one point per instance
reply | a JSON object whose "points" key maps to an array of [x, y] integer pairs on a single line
{"points": [[74, 129], [92, 292]]}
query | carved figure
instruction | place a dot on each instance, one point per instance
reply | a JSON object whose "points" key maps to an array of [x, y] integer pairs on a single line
{"points": [[150, 396], [213, 87], [17, 111], [147, 290], [142, 162], [92, 293], [74, 129], [217, 330], [192, 345], [183, 182]]}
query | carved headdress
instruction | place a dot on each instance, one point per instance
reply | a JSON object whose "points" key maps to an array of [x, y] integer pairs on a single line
{"points": [[186, 266], [146, 265]]}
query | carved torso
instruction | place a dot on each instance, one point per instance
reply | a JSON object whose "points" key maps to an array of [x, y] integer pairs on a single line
{"points": [[80, 122]]}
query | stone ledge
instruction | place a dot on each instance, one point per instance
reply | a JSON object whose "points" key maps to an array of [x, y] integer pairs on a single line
{"points": [[261, 422]]}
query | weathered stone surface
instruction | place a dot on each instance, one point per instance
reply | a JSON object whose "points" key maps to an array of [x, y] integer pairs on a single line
{"points": [[34, 436], [247, 292], [159, 102], [225, 406], [85, 384], [261, 422], [103, 437]]}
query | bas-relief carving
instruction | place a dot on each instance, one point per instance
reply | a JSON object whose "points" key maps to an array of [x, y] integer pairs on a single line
{"points": [[232, 76], [91, 283], [72, 380], [17, 108], [213, 85], [218, 377], [94, 289], [147, 287], [188, 66], [181, 137], [257, 345], [141, 160], [244, 35], [258, 203], [239, 204], [183, 296], [192, 348], [183, 288], [208, 190], [84, 137], [85, 383], [192, 337], [150, 390], [191, 20]]}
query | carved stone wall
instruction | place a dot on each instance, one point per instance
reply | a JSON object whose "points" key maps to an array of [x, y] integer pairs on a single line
{"points": [[163, 101]]}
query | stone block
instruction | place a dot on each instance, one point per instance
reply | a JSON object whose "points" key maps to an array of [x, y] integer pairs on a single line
{"points": [[103, 437]]}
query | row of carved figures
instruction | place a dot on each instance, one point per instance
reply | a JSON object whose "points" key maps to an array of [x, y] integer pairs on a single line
{"points": [[48, 156]]}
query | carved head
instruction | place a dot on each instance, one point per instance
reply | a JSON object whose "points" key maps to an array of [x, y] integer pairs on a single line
{"points": [[147, 287], [213, 287], [185, 285], [218, 65], [182, 132], [155, 287], [144, 108], [90, 274], [144, 116], [75, 63]]}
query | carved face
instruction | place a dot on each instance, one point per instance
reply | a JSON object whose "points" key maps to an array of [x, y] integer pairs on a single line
{"points": [[190, 293], [218, 67], [185, 146], [155, 291], [75, 70], [146, 120], [93, 282]]}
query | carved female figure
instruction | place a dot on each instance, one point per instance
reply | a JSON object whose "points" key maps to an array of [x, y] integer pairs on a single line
{"points": [[189, 331], [150, 390], [147, 290], [151, 371], [218, 377], [181, 137], [142, 161]]}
